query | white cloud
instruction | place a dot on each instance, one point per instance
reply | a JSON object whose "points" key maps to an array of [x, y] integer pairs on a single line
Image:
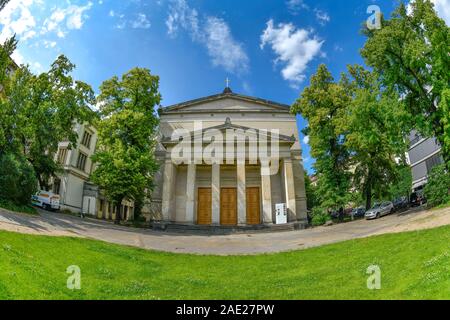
{"points": [[74, 17], [306, 140], [141, 22], [295, 6], [16, 18], [181, 15], [222, 48], [322, 16], [212, 32], [17, 57], [295, 48]]}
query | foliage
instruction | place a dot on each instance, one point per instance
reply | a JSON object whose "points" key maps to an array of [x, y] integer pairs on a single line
{"points": [[17, 179], [41, 112], [416, 264], [319, 217], [21, 208], [403, 186], [438, 187], [311, 200], [322, 105], [127, 135], [374, 124], [410, 52]]}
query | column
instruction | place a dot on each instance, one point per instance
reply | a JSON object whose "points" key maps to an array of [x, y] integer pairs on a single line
{"points": [[215, 190], [241, 194], [190, 193], [289, 189], [266, 190], [168, 198]]}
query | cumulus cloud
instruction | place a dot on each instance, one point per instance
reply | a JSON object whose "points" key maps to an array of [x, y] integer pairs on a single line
{"points": [[294, 48], [210, 31], [16, 18], [306, 140], [63, 19]]}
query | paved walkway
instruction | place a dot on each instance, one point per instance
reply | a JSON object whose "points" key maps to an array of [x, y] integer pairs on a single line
{"points": [[55, 224]]}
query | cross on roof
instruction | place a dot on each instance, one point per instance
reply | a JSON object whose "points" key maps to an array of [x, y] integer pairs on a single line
{"points": [[227, 81]]}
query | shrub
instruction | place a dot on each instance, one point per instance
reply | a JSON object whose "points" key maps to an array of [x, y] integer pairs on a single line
{"points": [[18, 181], [319, 217], [437, 188]]}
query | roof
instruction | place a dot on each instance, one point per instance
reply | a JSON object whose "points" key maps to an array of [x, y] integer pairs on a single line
{"points": [[226, 94], [229, 125]]}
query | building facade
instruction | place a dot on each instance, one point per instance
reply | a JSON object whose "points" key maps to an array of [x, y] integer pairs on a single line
{"points": [[423, 155], [234, 187]]}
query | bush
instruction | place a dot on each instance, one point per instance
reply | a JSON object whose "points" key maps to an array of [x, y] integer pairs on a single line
{"points": [[18, 181], [437, 188], [319, 217]]}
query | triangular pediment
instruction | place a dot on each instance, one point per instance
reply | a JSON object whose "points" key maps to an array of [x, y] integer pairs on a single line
{"points": [[246, 131], [226, 102]]}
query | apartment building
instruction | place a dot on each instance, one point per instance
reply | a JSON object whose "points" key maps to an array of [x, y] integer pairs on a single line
{"points": [[423, 155]]}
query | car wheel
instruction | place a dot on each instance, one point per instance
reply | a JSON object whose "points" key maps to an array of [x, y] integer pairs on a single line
{"points": [[46, 207], [377, 216]]}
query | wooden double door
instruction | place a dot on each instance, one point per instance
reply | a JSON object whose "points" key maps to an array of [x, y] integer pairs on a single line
{"points": [[228, 206]]}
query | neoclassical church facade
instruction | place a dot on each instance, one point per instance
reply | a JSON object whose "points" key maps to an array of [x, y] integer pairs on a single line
{"points": [[228, 160]]}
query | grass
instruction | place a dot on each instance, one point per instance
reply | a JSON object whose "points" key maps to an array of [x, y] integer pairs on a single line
{"points": [[414, 265], [18, 208]]}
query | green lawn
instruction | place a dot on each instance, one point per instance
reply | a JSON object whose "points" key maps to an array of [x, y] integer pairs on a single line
{"points": [[414, 265]]}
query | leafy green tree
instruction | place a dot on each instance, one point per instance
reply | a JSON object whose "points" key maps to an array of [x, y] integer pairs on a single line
{"points": [[403, 186], [311, 198], [374, 124], [438, 187], [125, 161], [411, 53], [17, 179], [323, 104], [42, 111]]}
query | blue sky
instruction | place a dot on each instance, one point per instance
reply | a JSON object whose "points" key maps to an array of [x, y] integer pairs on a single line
{"points": [[268, 48]]}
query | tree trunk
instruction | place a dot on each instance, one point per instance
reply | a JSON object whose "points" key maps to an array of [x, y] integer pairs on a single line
{"points": [[368, 195], [118, 212]]}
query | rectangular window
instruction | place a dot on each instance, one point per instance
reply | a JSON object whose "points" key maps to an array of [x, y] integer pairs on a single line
{"points": [[81, 162], [62, 156], [86, 141], [434, 161]]}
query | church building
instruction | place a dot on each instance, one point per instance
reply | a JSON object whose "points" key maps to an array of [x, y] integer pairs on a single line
{"points": [[228, 160]]}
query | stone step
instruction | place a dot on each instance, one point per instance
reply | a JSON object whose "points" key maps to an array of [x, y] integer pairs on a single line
{"points": [[224, 230]]}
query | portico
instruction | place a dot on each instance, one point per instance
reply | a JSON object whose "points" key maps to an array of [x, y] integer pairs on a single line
{"points": [[208, 179]]}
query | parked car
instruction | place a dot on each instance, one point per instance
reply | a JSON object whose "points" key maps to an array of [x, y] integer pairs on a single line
{"points": [[358, 212], [379, 210], [417, 199], [46, 200], [400, 203]]}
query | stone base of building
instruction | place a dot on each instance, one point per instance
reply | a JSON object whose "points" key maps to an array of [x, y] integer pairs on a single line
{"points": [[225, 230]]}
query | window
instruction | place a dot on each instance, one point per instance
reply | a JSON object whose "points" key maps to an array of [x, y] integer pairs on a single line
{"points": [[433, 161], [86, 141], [62, 156], [81, 162]]}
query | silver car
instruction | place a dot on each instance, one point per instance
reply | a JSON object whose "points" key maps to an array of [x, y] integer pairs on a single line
{"points": [[379, 210]]}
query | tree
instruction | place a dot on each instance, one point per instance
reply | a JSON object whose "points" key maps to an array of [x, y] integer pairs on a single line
{"points": [[374, 125], [403, 186], [411, 53], [42, 111], [311, 198], [17, 179], [125, 161], [323, 104], [437, 190]]}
